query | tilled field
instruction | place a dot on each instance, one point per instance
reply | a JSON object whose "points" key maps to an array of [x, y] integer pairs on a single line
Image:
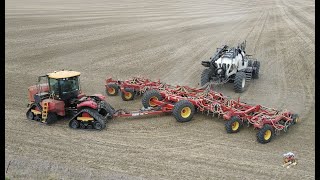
{"points": [[160, 40]]}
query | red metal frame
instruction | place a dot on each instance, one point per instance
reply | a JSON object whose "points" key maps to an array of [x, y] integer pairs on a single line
{"points": [[138, 84], [206, 101]]}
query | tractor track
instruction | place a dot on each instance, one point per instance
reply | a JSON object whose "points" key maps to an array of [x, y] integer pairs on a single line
{"points": [[163, 40]]}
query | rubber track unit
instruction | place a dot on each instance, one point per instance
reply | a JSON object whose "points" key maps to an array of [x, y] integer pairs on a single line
{"points": [[93, 113]]}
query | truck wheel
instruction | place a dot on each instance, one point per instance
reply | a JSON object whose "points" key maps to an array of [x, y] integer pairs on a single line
{"points": [[74, 124], [240, 82], [233, 125], [128, 94], [183, 111], [112, 89], [265, 134], [205, 76], [51, 118], [148, 96], [255, 74]]}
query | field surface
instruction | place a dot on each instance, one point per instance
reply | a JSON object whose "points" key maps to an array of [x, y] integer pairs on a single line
{"points": [[160, 40]]}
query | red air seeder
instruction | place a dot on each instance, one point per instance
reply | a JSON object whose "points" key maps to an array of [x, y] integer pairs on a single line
{"points": [[183, 101]]}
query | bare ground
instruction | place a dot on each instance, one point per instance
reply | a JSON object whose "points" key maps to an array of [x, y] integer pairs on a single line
{"points": [[160, 40]]}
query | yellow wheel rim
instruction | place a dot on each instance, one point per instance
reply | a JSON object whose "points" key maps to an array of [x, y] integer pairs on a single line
{"points": [[185, 112], [111, 90], [152, 104], [127, 95], [297, 120], [235, 126], [267, 135]]}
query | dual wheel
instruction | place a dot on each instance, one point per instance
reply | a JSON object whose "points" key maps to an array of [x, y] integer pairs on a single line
{"points": [[183, 110], [264, 135], [127, 94]]}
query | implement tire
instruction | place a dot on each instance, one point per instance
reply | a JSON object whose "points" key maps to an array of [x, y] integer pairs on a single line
{"points": [[233, 125], [128, 94], [148, 96], [183, 111], [295, 118], [112, 89], [265, 134]]}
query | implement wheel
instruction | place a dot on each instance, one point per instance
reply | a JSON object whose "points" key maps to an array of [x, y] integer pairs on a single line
{"points": [[295, 118], [183, 111], [148, 96], [265, 134], [128, 94], [233, 125], [112, 89]]}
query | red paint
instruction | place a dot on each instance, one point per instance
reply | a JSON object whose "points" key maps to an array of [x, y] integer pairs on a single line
{"points": [[55, 106], [34, 90], [85, 114], [100, 96], [90, 104]]}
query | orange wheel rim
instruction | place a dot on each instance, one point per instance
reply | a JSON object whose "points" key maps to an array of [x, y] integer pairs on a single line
{"points": [[152, 104], [127, 95], [111, 90]]}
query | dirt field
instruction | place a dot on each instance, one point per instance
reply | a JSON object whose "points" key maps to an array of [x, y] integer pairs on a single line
{"points": [[166, 40]]}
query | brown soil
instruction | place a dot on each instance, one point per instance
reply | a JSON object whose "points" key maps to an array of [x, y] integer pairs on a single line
{"points": [[160, 40]]}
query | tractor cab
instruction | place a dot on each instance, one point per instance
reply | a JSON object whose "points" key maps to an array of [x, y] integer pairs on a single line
{"points": [[64, 85]]}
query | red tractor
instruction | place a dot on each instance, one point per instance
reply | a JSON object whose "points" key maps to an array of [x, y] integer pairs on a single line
{"points": [[60, 96]]}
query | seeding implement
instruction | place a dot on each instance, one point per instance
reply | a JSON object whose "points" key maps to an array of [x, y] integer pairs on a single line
{"points": [[61, 96], [183, 102], [130, 88]]}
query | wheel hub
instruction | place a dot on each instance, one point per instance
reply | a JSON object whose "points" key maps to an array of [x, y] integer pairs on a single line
{"points": [[185, 112], [235, 126], [267, 134]]}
